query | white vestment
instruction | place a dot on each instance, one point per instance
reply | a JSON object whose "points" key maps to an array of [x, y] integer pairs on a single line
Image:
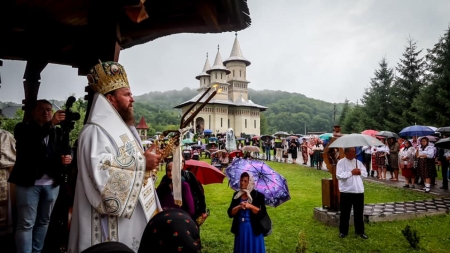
{"points": [[111, 201]]}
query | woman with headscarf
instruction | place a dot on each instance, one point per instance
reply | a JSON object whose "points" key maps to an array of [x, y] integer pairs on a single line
{"points": [[171, 231], [318, 153], [165, 193], [305, 147], [406, 163], [247, 208], [425, 164], [394, 148], [285, 147], [381, 159], [293, 150]]}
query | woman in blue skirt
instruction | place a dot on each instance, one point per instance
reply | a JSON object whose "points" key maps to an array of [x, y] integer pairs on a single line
{"points": [[247, 208]]}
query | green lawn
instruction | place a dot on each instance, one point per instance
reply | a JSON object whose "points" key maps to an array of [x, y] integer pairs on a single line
{"points": [[297, 215]]}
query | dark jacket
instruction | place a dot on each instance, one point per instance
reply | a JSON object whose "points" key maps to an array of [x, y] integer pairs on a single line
{"points": [[258, 201], [34, 158]]}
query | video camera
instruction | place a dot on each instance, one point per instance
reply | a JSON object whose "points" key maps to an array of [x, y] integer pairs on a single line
{"points": [[68, 124]]}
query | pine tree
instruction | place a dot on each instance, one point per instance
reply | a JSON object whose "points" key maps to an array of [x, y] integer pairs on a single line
{"points": [[433, 103], [376, 100], [405, 89], [345, 110]]}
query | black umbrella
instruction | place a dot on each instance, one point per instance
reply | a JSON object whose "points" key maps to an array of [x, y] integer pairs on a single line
{"points": [[263, 137], [443, 143], [388, 134], [445, 129]]}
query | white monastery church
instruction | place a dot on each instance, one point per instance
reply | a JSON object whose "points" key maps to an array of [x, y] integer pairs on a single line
{"points": [[231, 106]]}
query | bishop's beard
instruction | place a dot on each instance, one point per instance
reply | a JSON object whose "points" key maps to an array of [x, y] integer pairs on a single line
{"points": [[127, 115]]}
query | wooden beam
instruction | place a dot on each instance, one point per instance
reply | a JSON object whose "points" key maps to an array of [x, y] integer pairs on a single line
{"points": [[102, 40], [31, 83]]}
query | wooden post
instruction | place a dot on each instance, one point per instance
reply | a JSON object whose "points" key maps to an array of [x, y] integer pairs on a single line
{"points": [[31, 83], [102, 43]]}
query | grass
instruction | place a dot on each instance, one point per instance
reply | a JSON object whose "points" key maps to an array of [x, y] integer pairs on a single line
{"points": [[296, 215]]}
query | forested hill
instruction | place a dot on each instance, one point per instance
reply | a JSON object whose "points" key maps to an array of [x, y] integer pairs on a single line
{"points": [[287, 111]]}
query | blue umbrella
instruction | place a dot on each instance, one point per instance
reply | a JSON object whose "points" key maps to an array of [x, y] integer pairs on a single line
{"points": [[267, 181], [213, 139], [416, 130], [207, 131]]}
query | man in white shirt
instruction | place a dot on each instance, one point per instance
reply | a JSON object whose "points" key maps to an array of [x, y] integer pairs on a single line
{"points": [[349, 172]]}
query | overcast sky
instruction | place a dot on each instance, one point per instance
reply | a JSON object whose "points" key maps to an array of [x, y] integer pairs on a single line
{"points": [[326, 50]]}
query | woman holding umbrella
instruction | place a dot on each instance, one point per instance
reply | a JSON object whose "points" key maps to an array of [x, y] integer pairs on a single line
{"points": [[293, 150], [425, 163], [247, 208]]}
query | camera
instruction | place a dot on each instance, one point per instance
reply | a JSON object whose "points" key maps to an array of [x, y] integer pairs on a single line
{"points": [[68, 124]]}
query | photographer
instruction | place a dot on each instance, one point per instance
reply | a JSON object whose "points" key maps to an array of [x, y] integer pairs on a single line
{"points": [[36, 174]]}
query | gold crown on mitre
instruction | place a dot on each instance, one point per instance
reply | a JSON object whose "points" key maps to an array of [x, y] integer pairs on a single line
{"points": [[107, 76]]}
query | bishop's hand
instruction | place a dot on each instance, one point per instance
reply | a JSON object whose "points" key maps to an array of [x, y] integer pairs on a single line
{"points": [[151, 158]]}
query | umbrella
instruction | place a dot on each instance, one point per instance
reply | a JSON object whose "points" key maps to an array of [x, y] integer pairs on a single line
{"points": [[204, 172], [146, 142], [213, 139], [240, 139], [256, 137], [158, 133], [355, 140], [326, 136], [281, 134], [263, 137], [387, 134], [267, 181], [416, 130], [250, 148], [443, 143], [195, 146], [220, 151], [234, 153], [430, 138], [187, 141], [207, 131], [445, 129], [370, 132]]}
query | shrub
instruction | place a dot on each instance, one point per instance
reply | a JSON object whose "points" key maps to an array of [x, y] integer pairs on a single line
{"points": [[302, 244], [412, 236]]}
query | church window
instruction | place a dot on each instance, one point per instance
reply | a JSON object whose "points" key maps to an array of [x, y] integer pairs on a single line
{"points": [[221, 122], [209, 123], [240, 73], [215, 74], [228, 123], [255, 123], [220, 75], [245, 123], [233, 72]]}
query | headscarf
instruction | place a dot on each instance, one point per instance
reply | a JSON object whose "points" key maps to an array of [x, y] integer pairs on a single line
{"points": [[171, 230], [250, 187], [108, 247]]}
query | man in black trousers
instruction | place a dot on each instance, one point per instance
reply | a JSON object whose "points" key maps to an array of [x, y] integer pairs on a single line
{"points": [[349, 172]]}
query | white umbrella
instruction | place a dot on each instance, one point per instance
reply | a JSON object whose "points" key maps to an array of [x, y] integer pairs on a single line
{"points": [[146, 142], [355, 140], [281, 134]]}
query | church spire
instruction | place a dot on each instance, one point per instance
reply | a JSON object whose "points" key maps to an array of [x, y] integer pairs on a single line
{"points": [[236, 54], [205, 68], [218, 64]]}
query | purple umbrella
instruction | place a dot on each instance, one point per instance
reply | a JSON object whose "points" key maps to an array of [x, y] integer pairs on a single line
{"points": [[416, 130], [267, 181]]}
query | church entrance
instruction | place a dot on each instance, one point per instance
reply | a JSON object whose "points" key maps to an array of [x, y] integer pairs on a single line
{"points": [[199, 125]]}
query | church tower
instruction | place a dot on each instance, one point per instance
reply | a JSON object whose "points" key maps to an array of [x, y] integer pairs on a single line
{"points": [[204, 77], [218, 76], [237, 65]]}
